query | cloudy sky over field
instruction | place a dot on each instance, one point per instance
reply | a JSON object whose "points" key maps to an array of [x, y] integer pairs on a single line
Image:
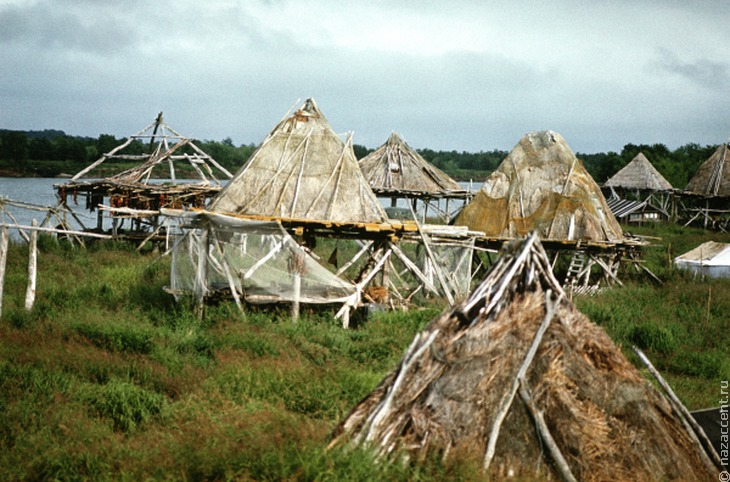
{"points": [[466, 74]]}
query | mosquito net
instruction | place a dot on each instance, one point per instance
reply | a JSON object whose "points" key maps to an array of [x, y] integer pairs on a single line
{"points": [[257, 259]]}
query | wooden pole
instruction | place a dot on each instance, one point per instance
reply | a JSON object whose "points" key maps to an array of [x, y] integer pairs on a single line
{"points": [[297, 288], [201, 277], [58, 231], [4, 239], [32, 267], [545, 434], [296, 267], [707, 451], [501, 414]]}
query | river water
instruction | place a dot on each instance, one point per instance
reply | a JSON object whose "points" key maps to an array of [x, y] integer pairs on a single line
{"points": [[40, 191]]}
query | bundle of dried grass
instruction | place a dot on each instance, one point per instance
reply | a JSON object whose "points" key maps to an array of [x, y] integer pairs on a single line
{"points": [[541, 186], [517, 376]]}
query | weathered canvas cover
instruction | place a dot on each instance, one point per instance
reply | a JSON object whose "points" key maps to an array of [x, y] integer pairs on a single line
{"points": [[639, 174], [395, 166], [541, 186], [713, 176], [710, 259], [302, 170]]}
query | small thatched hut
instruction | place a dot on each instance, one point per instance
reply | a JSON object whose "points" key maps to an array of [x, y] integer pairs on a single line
{"points": [[639, 174], [541, 186], [302, 170], [396, 168], [713, 176], [518, 378]]}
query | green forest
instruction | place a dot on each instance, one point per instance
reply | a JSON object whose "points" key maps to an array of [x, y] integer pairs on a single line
{"points": [[52, 153]]}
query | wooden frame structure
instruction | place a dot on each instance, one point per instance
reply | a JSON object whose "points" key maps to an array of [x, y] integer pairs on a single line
{"points": [[137, 193], [379, 268]]}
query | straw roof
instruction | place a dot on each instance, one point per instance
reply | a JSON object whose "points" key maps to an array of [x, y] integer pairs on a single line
{"points": [[396, 167], [517, 377], [713, 176], [639, 174], [302, 170], [541, 186]]}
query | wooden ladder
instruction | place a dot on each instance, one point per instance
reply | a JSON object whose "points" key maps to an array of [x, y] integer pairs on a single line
{"points": [[577, 263]]}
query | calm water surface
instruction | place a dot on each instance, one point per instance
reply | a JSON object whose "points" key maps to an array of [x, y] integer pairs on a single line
{"points": [[40, 191], [33, 190]]}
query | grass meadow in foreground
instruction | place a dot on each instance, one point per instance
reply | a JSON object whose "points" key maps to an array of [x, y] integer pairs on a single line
{"points": [[109, 378]]}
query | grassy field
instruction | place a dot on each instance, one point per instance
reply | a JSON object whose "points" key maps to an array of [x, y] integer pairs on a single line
{"points": [[109, 378]]}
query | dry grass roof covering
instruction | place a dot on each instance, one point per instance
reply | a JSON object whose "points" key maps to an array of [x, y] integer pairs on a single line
{"points": [[541, 186], [302, 170], [476, 381], [713, 176], [396, 167], [639, 174]]}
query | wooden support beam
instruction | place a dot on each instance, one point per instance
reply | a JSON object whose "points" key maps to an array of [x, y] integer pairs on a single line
{"points": [[501, 413], [32, 268], [544, 432], [4, 245], [707, 451]]}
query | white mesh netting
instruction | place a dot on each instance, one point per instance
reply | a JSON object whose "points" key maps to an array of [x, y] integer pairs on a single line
{"points": [[258, 259]]}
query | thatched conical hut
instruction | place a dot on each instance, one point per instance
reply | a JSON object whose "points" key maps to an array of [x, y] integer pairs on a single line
{"points": [[713, 176], [397, 168], [302, 170], [541, 186], [517, 377], [639, 174]]}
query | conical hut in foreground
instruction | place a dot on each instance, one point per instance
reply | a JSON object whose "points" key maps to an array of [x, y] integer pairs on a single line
{"points": [[639, 174], [395, 167], [541, 186], [713, 176], [302, 170], [518, 378]]}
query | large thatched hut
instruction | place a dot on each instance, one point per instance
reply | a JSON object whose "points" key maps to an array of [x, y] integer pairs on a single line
{"points": [[516, 377], [541, 186], [302, 170]]}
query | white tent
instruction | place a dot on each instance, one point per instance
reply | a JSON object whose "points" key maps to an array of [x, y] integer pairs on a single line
{"points": [[709, 259]]}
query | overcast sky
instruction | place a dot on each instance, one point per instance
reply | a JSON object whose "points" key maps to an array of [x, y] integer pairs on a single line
{"points": [[465, 74]]}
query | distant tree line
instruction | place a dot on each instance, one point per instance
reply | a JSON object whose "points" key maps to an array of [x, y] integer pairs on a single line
{"points": [[49, 153]]}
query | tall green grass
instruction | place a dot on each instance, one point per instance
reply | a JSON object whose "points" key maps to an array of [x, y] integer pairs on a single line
{"points": [[108, 378]]}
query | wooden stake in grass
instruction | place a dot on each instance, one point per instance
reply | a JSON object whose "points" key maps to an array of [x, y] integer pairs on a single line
{"points": [[32, 265], [709, 302], [4, 239]]}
